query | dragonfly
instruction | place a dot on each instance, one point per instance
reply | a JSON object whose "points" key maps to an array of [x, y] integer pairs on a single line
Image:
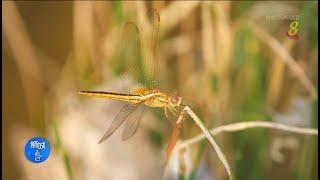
{"points": [[141, 97]]}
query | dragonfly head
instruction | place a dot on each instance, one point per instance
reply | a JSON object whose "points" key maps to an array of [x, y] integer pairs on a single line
{"points": [[175, 100]]}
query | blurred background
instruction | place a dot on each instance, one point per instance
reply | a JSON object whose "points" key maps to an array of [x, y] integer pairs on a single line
{"points": [[230, 61]]}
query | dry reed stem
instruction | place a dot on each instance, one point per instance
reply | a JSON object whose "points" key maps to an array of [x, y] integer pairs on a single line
{"points": [[145, 25], [175, 12], [178, 46], [172, 163], [83, 25], [187, 162], [223, 37], [173, 139], [207, 37], [281, 51], [231, 128], [246, 125], [83, 14], [276, 75], [20, 44], [25, 56], [206, 134]]}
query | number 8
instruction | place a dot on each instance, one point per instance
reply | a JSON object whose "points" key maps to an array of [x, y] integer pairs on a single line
{"points": [[293, 28]]}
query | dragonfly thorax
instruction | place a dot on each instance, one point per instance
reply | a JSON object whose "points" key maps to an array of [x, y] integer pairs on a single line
{"points": [[142, 91], [159, 99]]}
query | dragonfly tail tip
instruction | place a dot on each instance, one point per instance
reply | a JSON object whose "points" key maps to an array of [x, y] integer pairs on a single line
{"points": [[100, 141]]}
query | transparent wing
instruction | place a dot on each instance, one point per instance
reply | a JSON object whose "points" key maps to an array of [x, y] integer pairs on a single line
{"points": [[139, 52], [129, 54], [130, 42], [154, 19], [119, 119], [132, 124]]}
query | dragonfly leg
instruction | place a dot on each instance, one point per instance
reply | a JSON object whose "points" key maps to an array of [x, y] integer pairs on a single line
{"points": [[166, 112], [175, 109], [172, 110]]}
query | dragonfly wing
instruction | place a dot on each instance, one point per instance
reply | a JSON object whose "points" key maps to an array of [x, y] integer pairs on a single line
{"points": [[132, 124], [139, 54], [130, 52], [151, 48], [119, 119], [154, 18]]}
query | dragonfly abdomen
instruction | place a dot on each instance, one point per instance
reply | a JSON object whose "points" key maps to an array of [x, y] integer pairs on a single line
{"points": [[114, 96]]}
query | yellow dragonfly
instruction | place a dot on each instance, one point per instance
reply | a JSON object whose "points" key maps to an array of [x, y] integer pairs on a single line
{"points": [[146, 96]]}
